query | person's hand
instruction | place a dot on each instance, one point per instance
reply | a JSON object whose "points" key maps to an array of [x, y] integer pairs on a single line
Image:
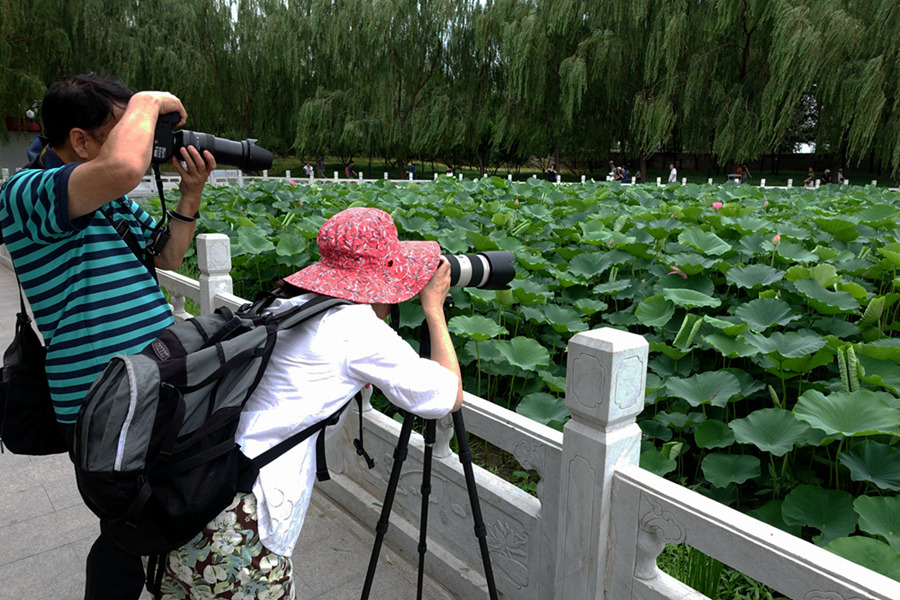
{"points": [[168, 103], [435, 291], [194, 173]]}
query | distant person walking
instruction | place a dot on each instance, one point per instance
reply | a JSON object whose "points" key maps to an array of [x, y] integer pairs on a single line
{"points": [[410, 170], [350, 170], [745, 172], [673, 173], [552, 174]]}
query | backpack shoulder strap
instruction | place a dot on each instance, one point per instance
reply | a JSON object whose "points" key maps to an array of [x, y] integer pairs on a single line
{"points": [[297, 315]]}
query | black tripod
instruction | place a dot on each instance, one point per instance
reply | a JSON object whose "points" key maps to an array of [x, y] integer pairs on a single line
{"points": [[400, 453]]}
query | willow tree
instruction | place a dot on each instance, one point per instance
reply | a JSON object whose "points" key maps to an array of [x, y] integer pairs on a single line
{"points": [[34, 47], [381, 73], [858, 90]]}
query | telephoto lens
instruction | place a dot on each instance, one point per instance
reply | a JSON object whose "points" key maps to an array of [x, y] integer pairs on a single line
{"points": [[245, 155], [491, 270]]}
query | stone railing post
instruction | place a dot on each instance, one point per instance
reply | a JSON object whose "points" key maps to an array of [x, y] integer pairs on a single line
{"points": [[214, 261], [605, 383]]}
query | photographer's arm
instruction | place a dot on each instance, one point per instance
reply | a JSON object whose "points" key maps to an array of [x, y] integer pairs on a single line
{"points": [[442, 351], [194, 174], [113, 167]]}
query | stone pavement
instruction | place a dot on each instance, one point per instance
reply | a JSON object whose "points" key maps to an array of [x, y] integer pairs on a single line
{"points": [[46, 531]]}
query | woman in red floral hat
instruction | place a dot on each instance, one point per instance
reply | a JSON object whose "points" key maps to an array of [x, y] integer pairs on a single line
{"points": [[316, 368]]}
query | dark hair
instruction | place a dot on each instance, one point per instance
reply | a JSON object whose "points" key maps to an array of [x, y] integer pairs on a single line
{"points": [[83, 101]]}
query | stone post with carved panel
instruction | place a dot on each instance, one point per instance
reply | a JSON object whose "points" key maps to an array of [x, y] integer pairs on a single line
{"points": [[214, 262], [605, 385]]}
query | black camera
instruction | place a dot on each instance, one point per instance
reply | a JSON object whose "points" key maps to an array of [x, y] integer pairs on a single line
{"points": [[491, 270], [245, 155]]}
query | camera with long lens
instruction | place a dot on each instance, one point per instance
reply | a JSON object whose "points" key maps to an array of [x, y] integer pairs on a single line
{"points": [[245, 155], [490, 270]]}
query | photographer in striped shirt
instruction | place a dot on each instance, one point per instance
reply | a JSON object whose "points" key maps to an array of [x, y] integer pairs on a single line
{"points": [[91, 295]]}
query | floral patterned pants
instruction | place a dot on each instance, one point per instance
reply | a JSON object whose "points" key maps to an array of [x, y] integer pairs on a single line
{"points": [[227, 560]]}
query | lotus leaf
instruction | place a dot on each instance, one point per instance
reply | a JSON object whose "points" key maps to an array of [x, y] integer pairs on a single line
{"points": [[589, 306], [543, 408], [713, 434], [588, 266], [873, 462], [711, 387], [476, 327], [794, 252], [563, 319], [680, 420], [655, 311], [862, 412], [704, 241], [690, 298], [690, 263], [752, 276], [763, 313], [656, 463], [878, 215], [794, 344], [555, 383], [655, 430], [884, 373], [523, 352], [872, 554], [829, 511], [612, 287], [834, 225], [880, 516], [770, 513], [723, 469], [887, 349], [770, 429], [253, 240], [824, 301], [530, 292]]}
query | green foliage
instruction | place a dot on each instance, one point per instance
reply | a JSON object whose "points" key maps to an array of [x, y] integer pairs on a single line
{"points": [[771, 388], [490, 83]]}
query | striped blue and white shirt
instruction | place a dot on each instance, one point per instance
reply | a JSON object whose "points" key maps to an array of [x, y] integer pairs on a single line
{"points": [[91, 297]]}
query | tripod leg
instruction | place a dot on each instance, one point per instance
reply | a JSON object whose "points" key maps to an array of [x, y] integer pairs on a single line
{"points": [[430, 436], [465, 457], [400, 453]]}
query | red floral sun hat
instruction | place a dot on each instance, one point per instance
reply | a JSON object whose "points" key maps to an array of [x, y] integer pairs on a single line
{"points": [[362, 260]]}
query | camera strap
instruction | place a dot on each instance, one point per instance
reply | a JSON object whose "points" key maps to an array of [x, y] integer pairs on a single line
{"points": [[160, 236]]}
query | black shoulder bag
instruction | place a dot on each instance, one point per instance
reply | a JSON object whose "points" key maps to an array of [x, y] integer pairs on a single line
{"points": [[27, 419]]}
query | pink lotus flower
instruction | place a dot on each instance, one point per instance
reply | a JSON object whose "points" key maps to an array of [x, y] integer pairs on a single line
{"points": [[716, 205], [776, 240], [766, 204], [677, 271], [292, 182], [612, 241]]}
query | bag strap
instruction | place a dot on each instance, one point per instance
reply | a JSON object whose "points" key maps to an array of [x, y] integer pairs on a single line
{"points": [[143, 256], [318, 304], [287, 444]]}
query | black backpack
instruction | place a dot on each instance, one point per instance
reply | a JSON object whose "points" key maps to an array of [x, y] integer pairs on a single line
{"points": [[155, 455]]}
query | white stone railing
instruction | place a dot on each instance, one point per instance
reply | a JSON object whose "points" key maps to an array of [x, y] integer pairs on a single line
{"points": [[148, 187], [598, 523]]}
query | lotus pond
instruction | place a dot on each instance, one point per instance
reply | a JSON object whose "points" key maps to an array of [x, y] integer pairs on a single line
{"points": [[774, 371]]}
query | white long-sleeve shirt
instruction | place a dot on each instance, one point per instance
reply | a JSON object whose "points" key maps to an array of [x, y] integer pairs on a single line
{"points": [[315, 369]]}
